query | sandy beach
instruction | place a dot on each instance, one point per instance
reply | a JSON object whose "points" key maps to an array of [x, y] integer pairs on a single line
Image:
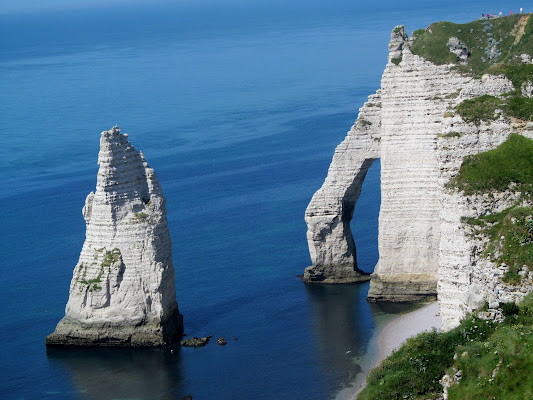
{"points": [[389, 338]]}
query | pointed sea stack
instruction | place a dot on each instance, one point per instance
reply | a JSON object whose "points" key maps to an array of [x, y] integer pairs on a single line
{"points": [[122, 291]]}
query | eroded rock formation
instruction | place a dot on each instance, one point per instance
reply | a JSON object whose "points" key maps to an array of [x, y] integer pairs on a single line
{"points": [[122, 291], [411, 125]]}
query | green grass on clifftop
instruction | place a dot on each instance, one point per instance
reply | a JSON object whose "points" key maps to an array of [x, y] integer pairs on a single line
{"points": [[495, 360], [495, 170], [489, 42]]}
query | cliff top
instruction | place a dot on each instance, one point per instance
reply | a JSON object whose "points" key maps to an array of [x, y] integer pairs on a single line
{"points": [[486, 43]]}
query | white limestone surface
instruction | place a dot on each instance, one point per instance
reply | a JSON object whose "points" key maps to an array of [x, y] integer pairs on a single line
{"points": [[122, 291]]}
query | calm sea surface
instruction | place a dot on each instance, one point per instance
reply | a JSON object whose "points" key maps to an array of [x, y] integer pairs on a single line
{"points": [[238, 108]]}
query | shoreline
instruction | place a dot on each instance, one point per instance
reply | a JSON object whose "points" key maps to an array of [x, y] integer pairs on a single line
{"points": [[388, 338]]}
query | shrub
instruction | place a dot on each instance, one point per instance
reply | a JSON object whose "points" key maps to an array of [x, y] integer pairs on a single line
{"points": [[396, 60], [509, 308]]}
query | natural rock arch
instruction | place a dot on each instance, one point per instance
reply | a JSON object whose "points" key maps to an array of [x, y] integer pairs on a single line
{"points": [[399, 124]]}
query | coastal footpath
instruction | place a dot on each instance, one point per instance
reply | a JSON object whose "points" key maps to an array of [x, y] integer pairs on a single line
{"points": [[448, 93], [122, 291]]}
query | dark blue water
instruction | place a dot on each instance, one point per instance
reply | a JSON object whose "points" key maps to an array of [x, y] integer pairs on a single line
{"points": [[238, 108]]}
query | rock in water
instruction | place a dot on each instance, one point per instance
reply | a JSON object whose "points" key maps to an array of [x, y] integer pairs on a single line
{"points": [[122, 291]]}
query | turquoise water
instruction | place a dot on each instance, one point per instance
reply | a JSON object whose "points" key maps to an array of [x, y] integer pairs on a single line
{"points": [[238, 108]]}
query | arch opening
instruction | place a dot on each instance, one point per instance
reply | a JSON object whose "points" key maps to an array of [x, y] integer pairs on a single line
{"points": [[364, 223]]}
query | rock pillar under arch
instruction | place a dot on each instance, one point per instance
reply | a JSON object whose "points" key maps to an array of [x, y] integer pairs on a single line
{"points": [[328, 216]]}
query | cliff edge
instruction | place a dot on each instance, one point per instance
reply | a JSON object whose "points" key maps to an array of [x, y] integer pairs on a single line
{"points": [[449, 91], [122, 291]]}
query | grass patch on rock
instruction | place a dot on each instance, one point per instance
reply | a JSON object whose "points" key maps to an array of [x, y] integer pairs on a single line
{"points": [[510, 235], [480, 109], [518, 74], [449, 135], [520, 107], [484, 108], [495, 170]]}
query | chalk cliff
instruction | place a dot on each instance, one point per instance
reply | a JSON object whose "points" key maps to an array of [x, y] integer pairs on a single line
{"points": [[412, 125], [122, 291]]}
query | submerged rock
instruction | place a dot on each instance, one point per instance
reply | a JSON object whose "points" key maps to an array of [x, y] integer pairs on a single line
{"points": [[122, 291], [195, 341]]}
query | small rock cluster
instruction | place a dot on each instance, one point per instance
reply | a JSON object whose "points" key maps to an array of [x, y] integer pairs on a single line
{"points": [[459, 49], [202, 341]]}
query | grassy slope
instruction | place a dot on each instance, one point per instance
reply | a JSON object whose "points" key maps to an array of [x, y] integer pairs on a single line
{"points": [[496, 361], [479, 37], [501, 366]]}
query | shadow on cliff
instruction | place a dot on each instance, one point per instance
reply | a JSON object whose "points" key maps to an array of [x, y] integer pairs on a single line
{"points": [[98, 373]]}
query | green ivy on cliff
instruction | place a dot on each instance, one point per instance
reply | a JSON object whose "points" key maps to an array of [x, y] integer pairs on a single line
{"points": [[510, 234]]}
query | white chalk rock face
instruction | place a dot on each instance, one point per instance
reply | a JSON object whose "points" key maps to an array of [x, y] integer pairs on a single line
{"points": [[412, 126], [328, 216], [122, 291]]}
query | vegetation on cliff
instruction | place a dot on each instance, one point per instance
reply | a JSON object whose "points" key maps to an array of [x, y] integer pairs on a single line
{"points": [[511, 163], [487, 108], [487, 359], [489, 42], [509, 232]]}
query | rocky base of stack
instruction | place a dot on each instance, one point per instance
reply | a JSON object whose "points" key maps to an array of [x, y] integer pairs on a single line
{"points": [[72, 333], [334, 274], [402, 288]]}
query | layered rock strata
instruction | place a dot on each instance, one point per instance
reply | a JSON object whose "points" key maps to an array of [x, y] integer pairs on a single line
{"points": [[409, 124], [468, 278], [122, 291]]}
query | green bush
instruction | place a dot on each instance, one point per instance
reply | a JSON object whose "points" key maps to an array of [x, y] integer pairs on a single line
{"points": [[396, 60], [509, 308]]}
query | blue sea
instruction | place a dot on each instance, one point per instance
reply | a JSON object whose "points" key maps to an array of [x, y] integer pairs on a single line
{"points": [[238, 106]]}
